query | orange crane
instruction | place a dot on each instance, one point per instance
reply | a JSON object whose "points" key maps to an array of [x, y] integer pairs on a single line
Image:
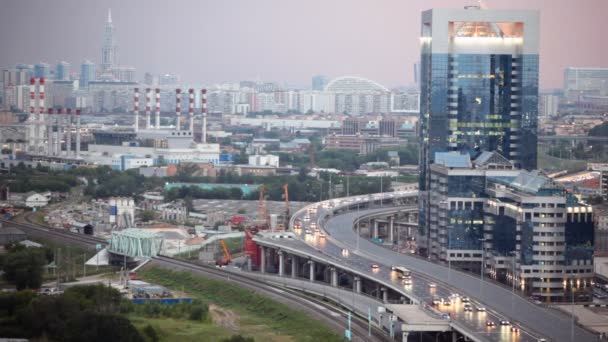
{"points": [[227, 257]]}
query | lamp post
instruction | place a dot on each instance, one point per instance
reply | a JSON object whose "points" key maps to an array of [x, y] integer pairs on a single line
{"points": [[513, 255], [483, 263]]}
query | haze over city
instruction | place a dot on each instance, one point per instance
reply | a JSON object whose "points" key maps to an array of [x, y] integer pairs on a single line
{"points": [[272, 40], [331, 171]]}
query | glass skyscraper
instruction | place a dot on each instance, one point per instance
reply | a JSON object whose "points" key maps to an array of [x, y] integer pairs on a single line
{"points": [[479, 87], [63, 71], [87, 73]]}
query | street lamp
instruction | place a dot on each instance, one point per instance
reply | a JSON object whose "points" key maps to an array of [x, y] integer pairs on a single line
{"points": [[483, 263], [513, 254]]}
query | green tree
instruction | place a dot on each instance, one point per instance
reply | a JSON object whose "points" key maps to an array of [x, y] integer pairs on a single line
{"points": [[147, 215], [23, 267]]}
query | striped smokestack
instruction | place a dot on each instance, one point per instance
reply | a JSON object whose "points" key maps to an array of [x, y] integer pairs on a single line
{"points": [[57, 135], [204, 112], [68, 138], [41, 110], [148, 107], [136, 109], [49, 132], [157, 99], [77, 132], [178, 108], [191, 110], [32, 130]]}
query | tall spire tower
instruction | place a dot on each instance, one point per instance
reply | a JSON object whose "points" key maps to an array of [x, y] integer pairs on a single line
{"points": [[108, 50]]}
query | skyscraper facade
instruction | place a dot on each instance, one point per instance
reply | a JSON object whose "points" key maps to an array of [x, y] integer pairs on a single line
{"points": [[108, 49], [42, 70], [585, 82], [479, 87], [319, 82], [63, 71], [87, 73]]}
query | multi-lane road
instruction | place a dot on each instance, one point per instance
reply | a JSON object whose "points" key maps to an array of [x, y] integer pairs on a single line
{"points": [[535, 322]]}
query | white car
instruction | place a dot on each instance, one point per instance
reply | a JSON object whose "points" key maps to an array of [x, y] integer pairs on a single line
{"points": [[432, 285]]}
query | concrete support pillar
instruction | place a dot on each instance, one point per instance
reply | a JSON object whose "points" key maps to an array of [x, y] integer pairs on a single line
{"points": [[263, 259], [281, 263], [294, 266], [249, 263], [454, 336], [391, 230], [312, 270], [375, 236], [404, 336], [334, 277], [357, 284], [384, 291]]}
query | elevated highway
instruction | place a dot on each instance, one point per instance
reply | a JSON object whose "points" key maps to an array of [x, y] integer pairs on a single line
{"points": [[337, 255]]}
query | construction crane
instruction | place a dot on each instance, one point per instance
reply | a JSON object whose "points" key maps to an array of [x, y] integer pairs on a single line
{"points": [[227, 257], [287, 214], [262, 215]]}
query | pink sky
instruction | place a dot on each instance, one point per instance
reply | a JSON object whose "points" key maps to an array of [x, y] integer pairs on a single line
{"points": [[277, 40]]}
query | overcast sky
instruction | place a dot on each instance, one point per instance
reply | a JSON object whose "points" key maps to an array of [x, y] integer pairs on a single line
{"points": [[207, 41]]}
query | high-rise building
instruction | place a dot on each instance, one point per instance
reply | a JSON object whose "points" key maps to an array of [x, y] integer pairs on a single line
{"points": [[522, 224], [548, 105], [479, 88], [319, 82], [87, 73], [62, 72], [108, 49], [604, 182], [42, 70], [581, 82]]}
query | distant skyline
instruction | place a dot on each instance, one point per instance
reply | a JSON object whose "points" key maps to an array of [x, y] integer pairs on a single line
{"points": [[207, 41]]}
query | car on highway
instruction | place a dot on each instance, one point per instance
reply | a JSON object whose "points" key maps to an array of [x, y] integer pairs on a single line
{"points": [[407, 281], [345, 252], [468, 308], [505, 323], [308, 231], [515, 329], [490, 324], [322, 235], [481, 309], [465, 299], [447, 302], [375, 267], [432, 285], [445, 316], [437, 301]]}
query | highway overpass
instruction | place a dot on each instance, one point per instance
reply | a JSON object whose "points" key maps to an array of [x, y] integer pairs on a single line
{"points": [[337, 256]]}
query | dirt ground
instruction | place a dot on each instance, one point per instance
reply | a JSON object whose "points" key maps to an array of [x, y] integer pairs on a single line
{"points": [[223, 317]]}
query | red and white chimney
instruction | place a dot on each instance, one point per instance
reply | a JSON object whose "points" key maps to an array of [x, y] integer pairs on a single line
{"points": [[32, 130], [49, 131], [148, 107], [136, 109], [204, 112], [178, 109], [77, 132], [68, 138], [191, 110], [57, 134], [157, 99]]}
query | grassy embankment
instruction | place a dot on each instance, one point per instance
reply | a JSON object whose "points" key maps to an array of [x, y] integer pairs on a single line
{"points": [[254, 315]]}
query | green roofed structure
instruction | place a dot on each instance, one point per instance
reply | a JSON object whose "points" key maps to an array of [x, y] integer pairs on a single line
{"points": [[136, 243]]}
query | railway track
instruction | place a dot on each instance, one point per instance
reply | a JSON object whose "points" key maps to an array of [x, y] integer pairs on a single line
{"points": [[335, 318]]}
